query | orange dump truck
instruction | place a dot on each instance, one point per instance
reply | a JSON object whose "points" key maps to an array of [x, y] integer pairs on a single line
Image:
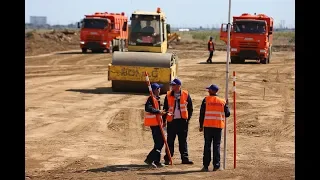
{"points": [[251, 38], [103, 31]]}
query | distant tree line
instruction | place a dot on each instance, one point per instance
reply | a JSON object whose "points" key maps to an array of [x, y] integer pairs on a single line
{"points": [[201, 28]]}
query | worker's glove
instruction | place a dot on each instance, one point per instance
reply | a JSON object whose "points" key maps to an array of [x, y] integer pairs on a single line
{"points": [[163, 112]]}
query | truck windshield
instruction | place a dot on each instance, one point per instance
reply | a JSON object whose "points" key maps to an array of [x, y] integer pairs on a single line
{"points": [[95, 23], [254, 27], [145, 31]]}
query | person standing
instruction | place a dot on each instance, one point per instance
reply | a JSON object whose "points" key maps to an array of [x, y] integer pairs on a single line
{"points": [[213, 112], [150, 119], [210, 49], [179, 106]]}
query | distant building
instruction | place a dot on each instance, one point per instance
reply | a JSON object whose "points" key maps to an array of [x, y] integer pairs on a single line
{"points": [[38, 20], [183, 29]]}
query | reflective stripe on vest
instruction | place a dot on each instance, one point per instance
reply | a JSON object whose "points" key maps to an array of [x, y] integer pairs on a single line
{"points": [[214, 114], [151, 119], [183, 105]]}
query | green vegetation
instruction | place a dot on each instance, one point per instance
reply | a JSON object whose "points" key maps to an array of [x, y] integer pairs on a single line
{"points": [[280, 37]]}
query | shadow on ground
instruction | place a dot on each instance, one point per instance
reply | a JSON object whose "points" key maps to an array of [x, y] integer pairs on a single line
{"points": [[171, 172], [212, 63], [249, 62], [116, 168], [79, 52]]}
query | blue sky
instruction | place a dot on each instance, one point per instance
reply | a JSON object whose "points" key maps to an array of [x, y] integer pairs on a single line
{"points": [[190, 13]]}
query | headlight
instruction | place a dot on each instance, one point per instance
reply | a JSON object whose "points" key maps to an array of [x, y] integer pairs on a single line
{"points": [[262, 51], [234, 49], [81, 42], [104, 43]]}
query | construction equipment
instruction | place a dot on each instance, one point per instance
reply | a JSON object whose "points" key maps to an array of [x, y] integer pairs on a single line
{"points": [[172, 36], [251, 38], [147, 51], [103, 31]]}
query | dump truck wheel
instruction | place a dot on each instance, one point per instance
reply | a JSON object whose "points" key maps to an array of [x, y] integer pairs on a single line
{"points": [[115, 48], [235, 60], [84, 50], [264, 61], [98, 51]]}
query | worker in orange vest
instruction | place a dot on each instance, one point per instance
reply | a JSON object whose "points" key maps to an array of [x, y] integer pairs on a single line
{"points": [[211, 50], [213, 112], [179, 106], [150, 119]]}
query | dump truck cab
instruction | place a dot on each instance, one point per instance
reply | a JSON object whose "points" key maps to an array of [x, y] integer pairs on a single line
{"points": [[251, 38], [103, 31], [147, 51]]}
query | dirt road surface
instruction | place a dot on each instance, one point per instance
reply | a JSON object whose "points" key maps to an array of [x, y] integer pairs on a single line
{"points": [[77, 128]]}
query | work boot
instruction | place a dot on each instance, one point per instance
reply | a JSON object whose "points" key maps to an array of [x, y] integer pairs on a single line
{"points": [[158, 164], [204, 169], [150, 163], [166, 162], [217, 169], [187, 162]]}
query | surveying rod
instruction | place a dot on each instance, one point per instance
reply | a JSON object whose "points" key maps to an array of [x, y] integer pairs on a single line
{"points": [[159, 117], [227, 81]]}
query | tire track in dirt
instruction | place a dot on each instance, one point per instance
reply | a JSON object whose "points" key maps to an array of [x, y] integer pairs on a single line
{"points": [[100, 57], [110, 132], [86, 126]]}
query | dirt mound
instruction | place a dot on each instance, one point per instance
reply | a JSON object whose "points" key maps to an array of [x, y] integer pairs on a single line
{"points": [[37, 42], [47, 41]]}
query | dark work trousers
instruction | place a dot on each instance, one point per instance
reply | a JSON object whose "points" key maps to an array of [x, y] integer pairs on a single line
{"points": [[177, 127], [210, 57], [212, 134], [155, 153]]}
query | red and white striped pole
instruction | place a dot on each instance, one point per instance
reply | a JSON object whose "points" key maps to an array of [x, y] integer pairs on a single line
{"points": [[159, 117], [234, 122]]}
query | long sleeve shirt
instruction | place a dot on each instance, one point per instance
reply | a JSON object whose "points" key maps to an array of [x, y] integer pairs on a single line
{"points": [[150, 108], [203, 110]]}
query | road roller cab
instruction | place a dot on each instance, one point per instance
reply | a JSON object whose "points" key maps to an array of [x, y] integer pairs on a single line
{"points": [[147, 51]]}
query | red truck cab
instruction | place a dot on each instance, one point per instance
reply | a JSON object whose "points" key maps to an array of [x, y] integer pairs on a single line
{"points": [[250, 38], [103, 31]]}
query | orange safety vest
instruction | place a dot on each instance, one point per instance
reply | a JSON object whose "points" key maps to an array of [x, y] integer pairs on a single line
{"points": [[211, 46], [214, 114], [149, 118], [183, 105]]}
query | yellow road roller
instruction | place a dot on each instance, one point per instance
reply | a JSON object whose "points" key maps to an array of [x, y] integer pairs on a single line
{"points": [[147, 51]]}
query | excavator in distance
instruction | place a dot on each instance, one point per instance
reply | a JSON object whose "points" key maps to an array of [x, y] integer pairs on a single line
{"points": [[147, 51]]}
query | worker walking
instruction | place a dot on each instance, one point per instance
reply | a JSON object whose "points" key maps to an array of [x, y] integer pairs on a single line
{"points": [[210, 49], [150, 119], [179, 106], [213, 112]]}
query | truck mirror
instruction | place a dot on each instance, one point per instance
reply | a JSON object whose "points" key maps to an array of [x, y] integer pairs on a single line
{"points": [[270, 29], [78, 24]]}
